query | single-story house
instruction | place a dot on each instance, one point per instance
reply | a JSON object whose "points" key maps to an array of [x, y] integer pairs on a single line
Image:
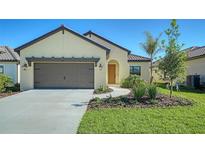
{"points": [[9, 63], [195, 66], [63, 58]]}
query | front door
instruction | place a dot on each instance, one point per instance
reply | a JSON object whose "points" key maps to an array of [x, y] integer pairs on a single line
{"points": [[111, 73]]}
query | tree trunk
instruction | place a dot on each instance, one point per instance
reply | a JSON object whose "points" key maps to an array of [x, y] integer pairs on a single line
{"points": [[151, 78], [171, 88]]}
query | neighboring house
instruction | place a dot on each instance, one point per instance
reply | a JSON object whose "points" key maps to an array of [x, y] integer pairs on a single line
{"points": [[63, 58], [195, 66], [9, 61]]}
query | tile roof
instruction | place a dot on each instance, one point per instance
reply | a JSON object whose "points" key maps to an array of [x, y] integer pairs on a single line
{"points": [[8, 54], [195, 52], [133, 58]]}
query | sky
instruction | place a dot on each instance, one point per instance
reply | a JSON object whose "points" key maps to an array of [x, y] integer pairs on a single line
{"points": [[128, 33]]}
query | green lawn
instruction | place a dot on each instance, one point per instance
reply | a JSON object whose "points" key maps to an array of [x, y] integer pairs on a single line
{"points": [[180, 119]]}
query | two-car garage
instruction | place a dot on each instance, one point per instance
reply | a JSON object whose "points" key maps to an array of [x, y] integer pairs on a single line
{"points": [[62, 59], [63, 75]]}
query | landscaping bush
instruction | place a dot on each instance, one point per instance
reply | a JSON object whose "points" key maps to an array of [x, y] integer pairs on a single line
{"points": [[139, 92], [102, 89], [5, 81], [97, 100], [153, 101], [15, 88], [110, 99], [152, 91], [132, 81]]}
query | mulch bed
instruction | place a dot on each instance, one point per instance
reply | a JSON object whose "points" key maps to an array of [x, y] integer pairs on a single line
{"points": [[129, 102], [7, 94]]}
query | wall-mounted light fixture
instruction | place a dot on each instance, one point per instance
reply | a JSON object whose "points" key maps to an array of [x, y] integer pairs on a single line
{"points": [[25, 66], [100, 66]]}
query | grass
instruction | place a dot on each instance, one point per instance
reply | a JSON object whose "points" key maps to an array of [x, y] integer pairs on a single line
{"points": [[172, 120]]}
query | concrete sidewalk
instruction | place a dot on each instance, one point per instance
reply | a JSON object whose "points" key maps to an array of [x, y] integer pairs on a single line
{"points": [[117, 91]]}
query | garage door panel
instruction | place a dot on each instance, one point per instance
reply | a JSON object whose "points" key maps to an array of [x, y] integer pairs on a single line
{"points": [[64, 75]]}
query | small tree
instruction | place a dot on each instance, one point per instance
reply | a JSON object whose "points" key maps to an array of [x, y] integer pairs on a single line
{"points": [[151, 47], [173, 63]]}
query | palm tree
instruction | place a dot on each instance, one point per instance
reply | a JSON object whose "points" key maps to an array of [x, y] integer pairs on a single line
{"points": [[151, 47]]}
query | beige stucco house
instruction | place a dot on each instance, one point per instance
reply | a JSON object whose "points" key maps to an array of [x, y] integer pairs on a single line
{"points": [[195, 66], [63, 58]]}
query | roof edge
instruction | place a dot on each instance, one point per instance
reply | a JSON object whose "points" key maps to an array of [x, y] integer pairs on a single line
{"points": [[139, 60], [145, 60], [196, 57], [61, 28], [16, 61], [90, 32]]}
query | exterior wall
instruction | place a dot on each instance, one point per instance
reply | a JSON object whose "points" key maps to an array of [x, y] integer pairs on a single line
{"points": [[157, 75], [194, 67], [145, 69], [11, 69], [197, 67], [116, 54], [62, 45]]}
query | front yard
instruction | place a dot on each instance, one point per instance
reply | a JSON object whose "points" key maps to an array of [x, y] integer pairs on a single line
{"points": [[169, 120]]}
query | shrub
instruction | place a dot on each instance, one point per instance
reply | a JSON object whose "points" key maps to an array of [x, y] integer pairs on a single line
{"points": [[110, 99], [152, 91], [139, 92], [97, 100], [102, 89], [132, 81], [14, 88], [5, 81], [153, 101]]}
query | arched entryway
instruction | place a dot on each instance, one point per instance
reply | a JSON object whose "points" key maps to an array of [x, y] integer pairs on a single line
{"points": [[113, 72]]}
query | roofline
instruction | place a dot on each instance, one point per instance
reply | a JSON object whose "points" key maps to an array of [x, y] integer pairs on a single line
{"points": [[139, 60], [195, 57], [16, 61], [194, 48], [61, 28], [191, 58], [147, 60], [90, 32]]}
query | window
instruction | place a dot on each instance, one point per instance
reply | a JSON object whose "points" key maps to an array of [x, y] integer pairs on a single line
{"points": [[135, 70], [1, 69]]}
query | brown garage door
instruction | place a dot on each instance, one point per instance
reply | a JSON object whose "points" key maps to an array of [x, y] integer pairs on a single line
{"points": [[64, 75]]}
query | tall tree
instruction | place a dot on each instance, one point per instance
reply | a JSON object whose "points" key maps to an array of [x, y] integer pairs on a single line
{"points": [[173, 63], [151, 47]]}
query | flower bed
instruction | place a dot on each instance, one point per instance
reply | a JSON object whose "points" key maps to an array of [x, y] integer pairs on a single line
{"points": [[129, 102]]}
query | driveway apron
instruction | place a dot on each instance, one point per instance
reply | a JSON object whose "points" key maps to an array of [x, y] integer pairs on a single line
{"points": [[43, 111]]}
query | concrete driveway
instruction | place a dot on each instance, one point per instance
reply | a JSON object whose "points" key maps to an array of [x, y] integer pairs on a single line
{"points": [[43, 111]]}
